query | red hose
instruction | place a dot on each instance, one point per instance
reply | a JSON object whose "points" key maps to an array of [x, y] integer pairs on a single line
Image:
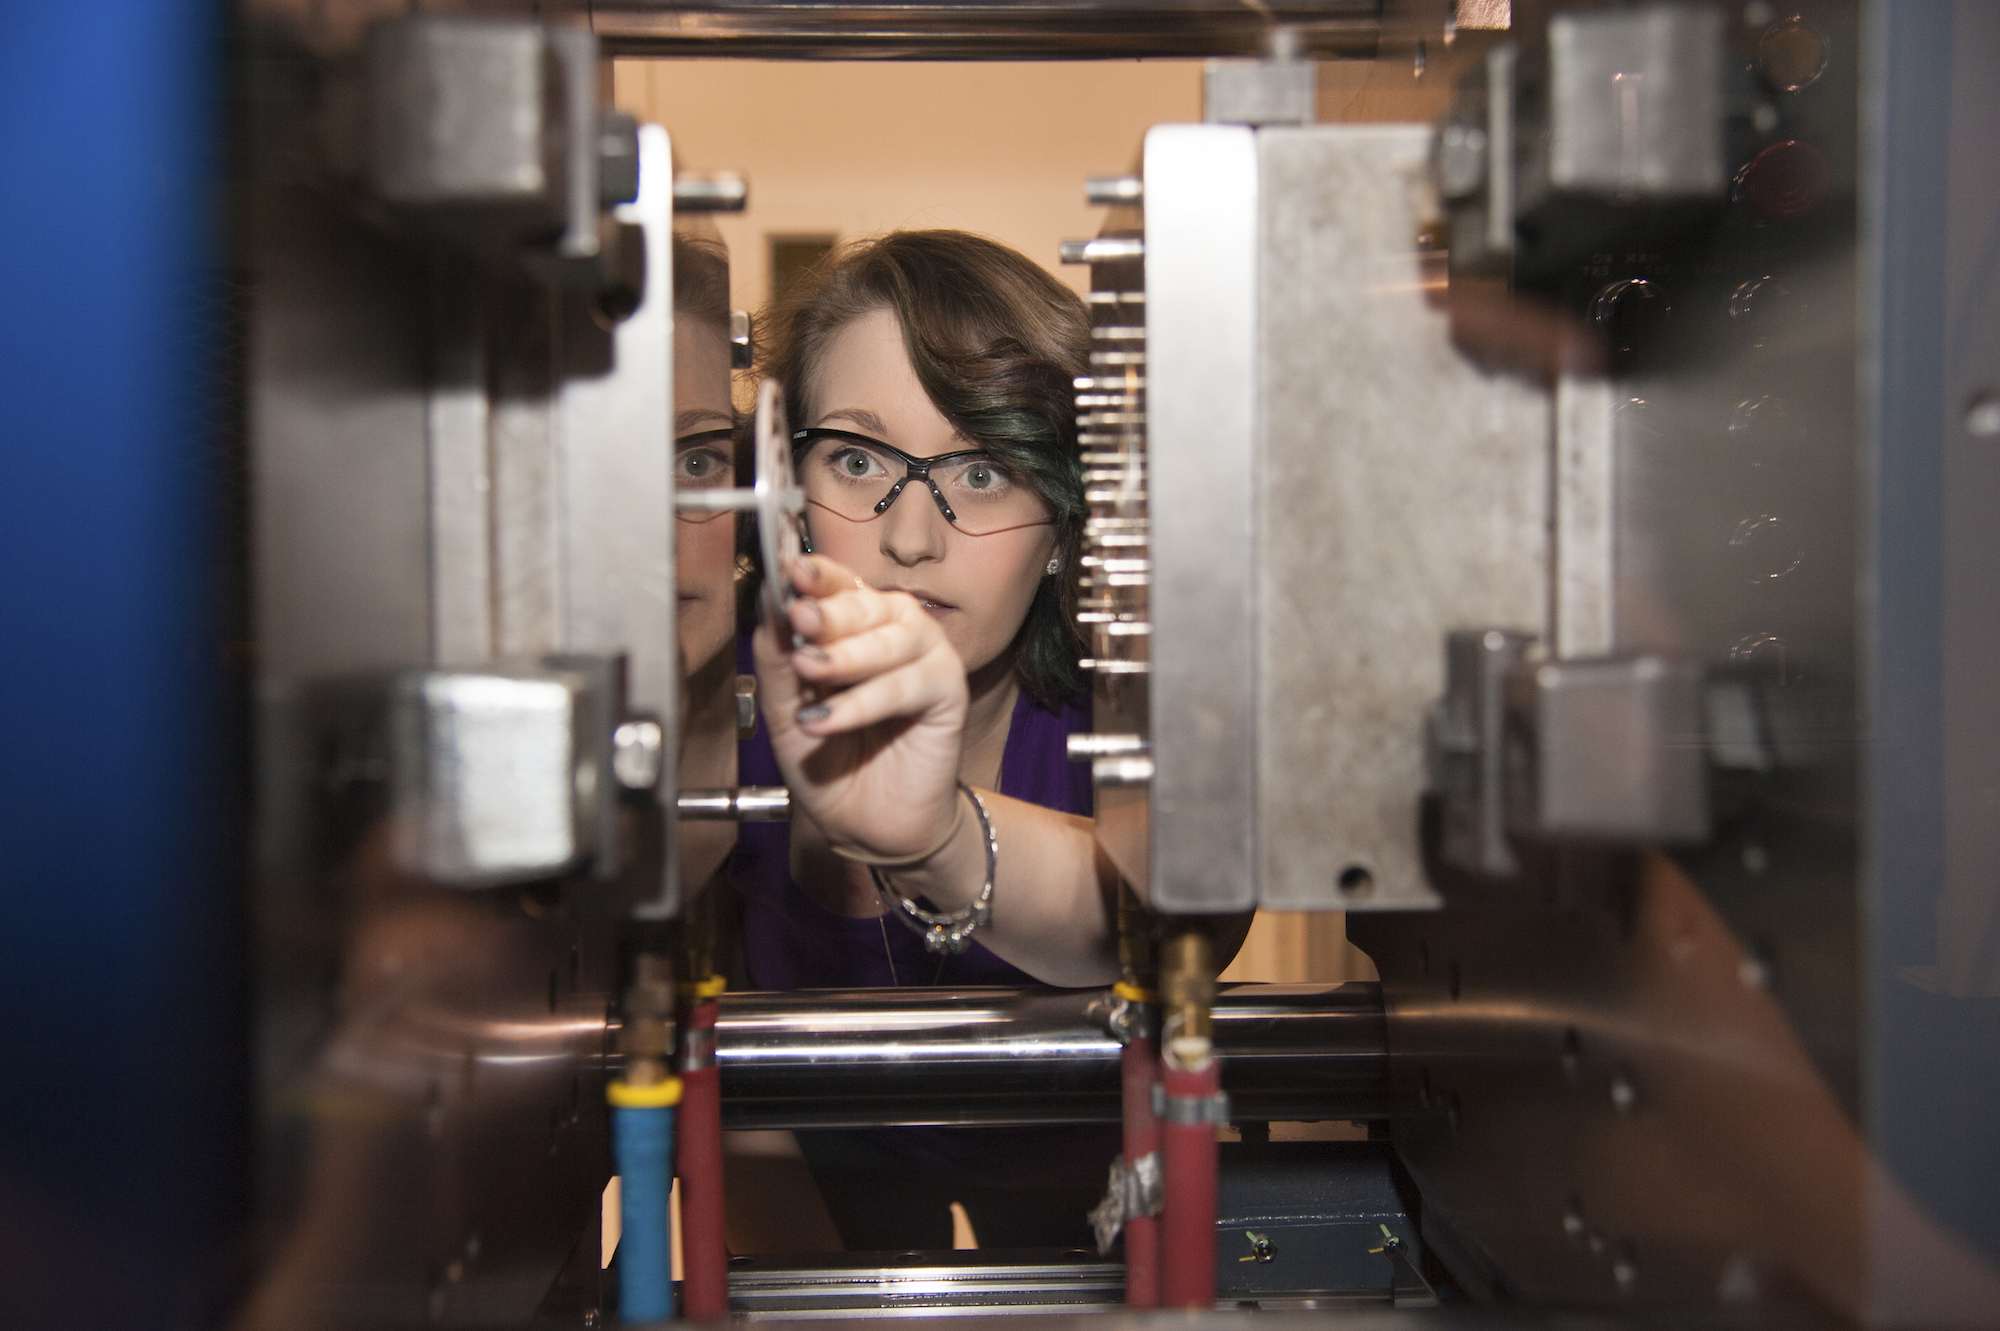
{"points": [[1142, 1138], [704, 1245], [1187, 1159]]}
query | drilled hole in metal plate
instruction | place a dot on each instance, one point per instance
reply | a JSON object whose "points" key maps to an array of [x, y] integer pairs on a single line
{"points": [[1792, 55], [1356, 881]]}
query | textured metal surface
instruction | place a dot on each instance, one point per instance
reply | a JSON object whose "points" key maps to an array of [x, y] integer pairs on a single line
{"points": [[614, 409], [339, 532], [1721, 1077], [1636, 102], [1402, 493], [484, 772], [466, 112], [1202, 262], [1467, 750], [1608, 751], [1608, 1107], [452, 466], [995, 1056], [457, 418], [1586, 572], [1259, 92]]}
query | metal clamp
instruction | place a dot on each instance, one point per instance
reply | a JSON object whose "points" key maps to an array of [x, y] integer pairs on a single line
{"points": [[697, 1049], [1190, 1110], [1121, 1018]]}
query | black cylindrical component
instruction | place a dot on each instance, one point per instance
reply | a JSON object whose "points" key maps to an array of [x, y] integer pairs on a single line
{"points": [[881, 1057]]}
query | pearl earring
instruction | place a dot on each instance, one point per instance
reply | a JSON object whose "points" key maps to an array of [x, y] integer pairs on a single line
{"points": [[1055, 566]]}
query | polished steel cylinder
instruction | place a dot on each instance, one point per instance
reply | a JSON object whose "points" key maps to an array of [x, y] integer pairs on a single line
{"points": [[880, 1057]]}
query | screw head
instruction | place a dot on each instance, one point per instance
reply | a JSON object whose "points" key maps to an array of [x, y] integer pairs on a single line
{"points": [[637, 752], [1461, 160]]}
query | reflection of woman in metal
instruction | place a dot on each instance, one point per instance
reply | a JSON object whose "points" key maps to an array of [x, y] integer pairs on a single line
{"points": [[704, 543], [920, 719]]}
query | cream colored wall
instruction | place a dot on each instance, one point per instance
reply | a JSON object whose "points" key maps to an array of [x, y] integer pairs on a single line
{"points": [[855, 148]]}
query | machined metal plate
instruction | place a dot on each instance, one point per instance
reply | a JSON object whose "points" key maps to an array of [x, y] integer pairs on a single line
{"points": [[1609, 1107], [1402, 493], [616, 486], [1201, 366]]}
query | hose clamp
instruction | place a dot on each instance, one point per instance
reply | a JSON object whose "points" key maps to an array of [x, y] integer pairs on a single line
{"points": [[1120, 1017], [1190, 1110], [697, 1048]]}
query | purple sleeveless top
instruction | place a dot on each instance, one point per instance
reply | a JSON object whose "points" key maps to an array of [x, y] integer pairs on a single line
{"points": [[793, 942]]}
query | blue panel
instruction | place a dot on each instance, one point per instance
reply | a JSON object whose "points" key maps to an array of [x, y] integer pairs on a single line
{"points": [[121, 1094]]}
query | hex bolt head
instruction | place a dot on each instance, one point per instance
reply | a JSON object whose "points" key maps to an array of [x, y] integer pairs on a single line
{"points": [[637, 750]]}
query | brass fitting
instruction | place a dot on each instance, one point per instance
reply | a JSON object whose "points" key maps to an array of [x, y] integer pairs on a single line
{"points": [[1187, 996], [649, 1020]]}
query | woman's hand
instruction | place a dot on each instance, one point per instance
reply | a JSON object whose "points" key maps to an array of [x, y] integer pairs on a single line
{"points": [[867, 715]]}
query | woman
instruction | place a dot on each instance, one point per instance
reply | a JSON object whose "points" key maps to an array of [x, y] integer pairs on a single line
{"points": [[928, 693]]}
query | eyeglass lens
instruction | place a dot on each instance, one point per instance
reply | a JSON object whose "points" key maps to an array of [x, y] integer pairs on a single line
{"points": [[858, 479]]}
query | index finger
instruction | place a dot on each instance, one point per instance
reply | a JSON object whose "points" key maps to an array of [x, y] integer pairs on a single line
{"points": [[837, 604]]}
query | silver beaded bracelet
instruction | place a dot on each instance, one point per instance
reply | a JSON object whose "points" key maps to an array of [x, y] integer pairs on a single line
{"points": [[947, 933]]}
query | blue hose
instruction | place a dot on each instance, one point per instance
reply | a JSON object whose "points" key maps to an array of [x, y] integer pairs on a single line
{"points": [[643, 1139]]}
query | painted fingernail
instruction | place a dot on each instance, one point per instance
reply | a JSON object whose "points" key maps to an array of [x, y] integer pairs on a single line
{"points": [[815, 653], [807, 617], [818, 711]]}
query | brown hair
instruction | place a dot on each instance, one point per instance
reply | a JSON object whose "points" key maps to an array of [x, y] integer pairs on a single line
{"points": [[701, 278], [997, 343]]}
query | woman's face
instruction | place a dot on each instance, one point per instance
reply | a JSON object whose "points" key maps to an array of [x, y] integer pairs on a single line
{"points": [[704, 551], [978, 588]]}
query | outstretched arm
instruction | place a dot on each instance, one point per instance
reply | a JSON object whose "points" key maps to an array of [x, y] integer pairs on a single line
{"points": [[867, 718]]}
